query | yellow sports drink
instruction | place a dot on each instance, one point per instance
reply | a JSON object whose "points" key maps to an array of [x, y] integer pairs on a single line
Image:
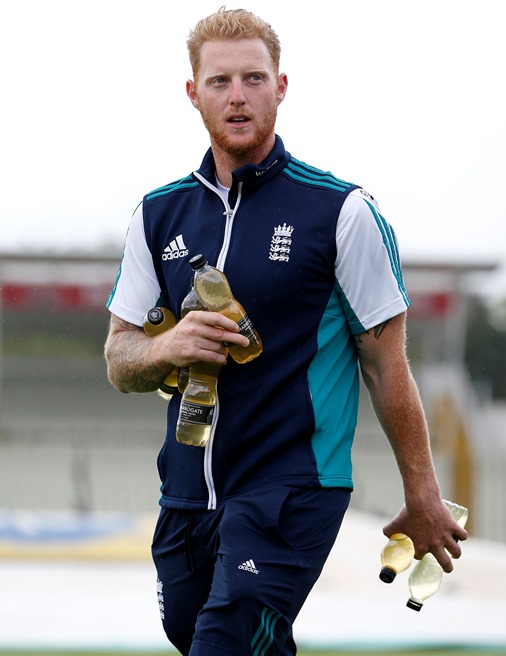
{"points": [[191, 302], [211, 286], [197, 384], [397, 556], [156, 321], [425, 579], [197, 405]]}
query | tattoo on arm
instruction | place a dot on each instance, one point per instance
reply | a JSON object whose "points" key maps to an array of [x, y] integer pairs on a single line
{"points": [[121, 324], [380, 328], [128, 354], [377, 331]]}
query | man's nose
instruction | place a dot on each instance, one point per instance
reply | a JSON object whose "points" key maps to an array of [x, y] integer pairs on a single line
{"points": [[237, 93]]}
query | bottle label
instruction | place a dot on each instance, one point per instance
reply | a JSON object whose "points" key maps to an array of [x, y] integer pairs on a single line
{"points": [[246, 327], [196, 413]]}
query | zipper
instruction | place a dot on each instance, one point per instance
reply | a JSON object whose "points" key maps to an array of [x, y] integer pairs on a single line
{"points": [[229, 220], [208, 458]]}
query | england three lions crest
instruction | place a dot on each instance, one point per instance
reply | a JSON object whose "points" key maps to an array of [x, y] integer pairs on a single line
{"points": [[280, 243]]}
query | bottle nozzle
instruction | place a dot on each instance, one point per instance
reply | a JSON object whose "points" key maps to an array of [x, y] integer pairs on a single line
{"points": [[155, 316], [387, 574], [197, 261], [414, 604]]}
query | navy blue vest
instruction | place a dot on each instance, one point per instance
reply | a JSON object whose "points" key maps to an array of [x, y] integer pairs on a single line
{"points": [[280, 256]]}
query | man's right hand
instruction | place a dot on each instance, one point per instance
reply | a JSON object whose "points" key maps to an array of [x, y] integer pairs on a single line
{"points": [[138, 363], [201, 336]]}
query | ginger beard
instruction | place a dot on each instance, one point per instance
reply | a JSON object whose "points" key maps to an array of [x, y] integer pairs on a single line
{"points": [[261, 132]]}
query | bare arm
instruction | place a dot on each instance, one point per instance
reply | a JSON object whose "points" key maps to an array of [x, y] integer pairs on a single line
{"points": [[129, 356], [138, 363], [396, 401]]}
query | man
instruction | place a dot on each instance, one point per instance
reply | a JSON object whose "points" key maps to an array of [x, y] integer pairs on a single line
{"points": [[247, 523]]}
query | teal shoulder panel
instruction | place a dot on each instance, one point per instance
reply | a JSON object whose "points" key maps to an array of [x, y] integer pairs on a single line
{"points": [[184, 183], [114, 287], [302, 172], [354, 322], [116, 281], [390, 243]]}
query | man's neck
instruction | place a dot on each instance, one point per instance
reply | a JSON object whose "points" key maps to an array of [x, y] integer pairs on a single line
{"points": [[226, 162]]}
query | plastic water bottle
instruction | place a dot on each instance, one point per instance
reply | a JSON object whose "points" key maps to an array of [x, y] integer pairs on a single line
{"points": [[156, 321], [396, 557], [198, 405], [459, 513], [214, 291], [190, 303], [197, 384], [425, 579]]}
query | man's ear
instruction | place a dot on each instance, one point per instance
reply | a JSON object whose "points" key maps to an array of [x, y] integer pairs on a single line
{"points": [[282, 87], [192, 94]]}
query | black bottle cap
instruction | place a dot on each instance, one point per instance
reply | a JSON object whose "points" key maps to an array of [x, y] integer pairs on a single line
{"points": [[155, 316], [168, 389], [197, 261], [387, 574], [414, 605]]}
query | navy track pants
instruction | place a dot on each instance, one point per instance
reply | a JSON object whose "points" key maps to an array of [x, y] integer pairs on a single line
{"points": [[231, 581]]}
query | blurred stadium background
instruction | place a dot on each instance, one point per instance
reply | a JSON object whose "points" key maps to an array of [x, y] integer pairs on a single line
{"points": [[79, 486]]}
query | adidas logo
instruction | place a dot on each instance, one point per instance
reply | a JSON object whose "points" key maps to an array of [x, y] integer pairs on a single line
{"points": [[176, 248], [249, 566]]}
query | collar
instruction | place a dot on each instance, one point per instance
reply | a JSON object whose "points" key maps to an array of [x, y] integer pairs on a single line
{"points": [[251, 175]]}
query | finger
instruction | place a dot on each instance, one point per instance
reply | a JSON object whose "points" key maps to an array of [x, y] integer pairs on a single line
{"points": [[214, 357], [460, 534], [395, 525], [199, 331], [225, 337], [231, 339], [454, 548], [218, 320], [208, 351], [214, 326], [389, 530], [444, 560], [212, 345]]}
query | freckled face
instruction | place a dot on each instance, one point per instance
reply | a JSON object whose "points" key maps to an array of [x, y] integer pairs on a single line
{"points": [[237, 92]]}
